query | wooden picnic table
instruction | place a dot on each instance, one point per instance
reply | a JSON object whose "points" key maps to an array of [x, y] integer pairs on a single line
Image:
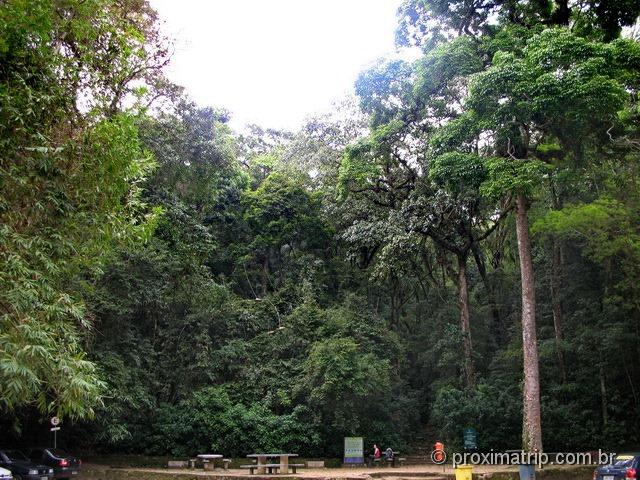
{"points": [[208, 458], [262, 460]]}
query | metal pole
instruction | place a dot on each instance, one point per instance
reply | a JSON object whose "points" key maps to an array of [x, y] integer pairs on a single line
{"points": [[55, 439]]}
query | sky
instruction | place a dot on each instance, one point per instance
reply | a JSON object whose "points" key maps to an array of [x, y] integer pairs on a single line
{"points": [[274, 62]]}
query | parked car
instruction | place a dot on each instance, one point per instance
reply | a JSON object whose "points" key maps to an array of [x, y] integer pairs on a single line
{"points": [[63, 464], [623, 467], [22, 468], [5, 474]]}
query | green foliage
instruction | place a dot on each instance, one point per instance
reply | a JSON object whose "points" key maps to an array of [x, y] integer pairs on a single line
{"points": [[366, 161], [449, 136], [561, 87], [606, 227], [493, 409], [458, 172], [282, 213], [436, 71], [211, 421], [424, 22], [382, 89], [511, 107], [69, 185], [346, 384], [197, 290], [511, 175]]}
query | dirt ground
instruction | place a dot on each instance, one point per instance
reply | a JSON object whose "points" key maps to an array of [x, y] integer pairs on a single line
{"points": [[433, 472]]}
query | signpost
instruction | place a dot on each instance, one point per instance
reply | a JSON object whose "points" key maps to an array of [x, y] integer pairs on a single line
{"points": [[470, 436], [353, 450], [55, 421]]}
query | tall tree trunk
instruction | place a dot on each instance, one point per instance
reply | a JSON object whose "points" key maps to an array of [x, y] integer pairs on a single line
{"points": [[465, 324], [556, 301], [603, 397], [531, 425]]}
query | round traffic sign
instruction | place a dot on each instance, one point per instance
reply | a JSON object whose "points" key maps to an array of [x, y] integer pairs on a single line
{"points": [[55, 421]]}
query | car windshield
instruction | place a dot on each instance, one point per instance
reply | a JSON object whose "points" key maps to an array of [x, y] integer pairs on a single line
{"points": [[15, 455], [623, 461], [57, 452]]}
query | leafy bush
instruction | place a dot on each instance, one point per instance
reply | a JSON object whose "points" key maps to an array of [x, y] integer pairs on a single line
{"points": [[211, 422]]}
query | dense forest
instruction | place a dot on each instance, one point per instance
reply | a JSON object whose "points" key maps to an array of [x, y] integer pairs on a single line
{"points": [[457, 246]]}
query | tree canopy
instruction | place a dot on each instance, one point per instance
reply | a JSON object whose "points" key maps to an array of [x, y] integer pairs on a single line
{"points": [[457, 246]]}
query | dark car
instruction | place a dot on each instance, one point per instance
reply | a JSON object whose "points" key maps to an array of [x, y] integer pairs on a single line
{"points": [[623, 467], [63, 464], [22, 468]]}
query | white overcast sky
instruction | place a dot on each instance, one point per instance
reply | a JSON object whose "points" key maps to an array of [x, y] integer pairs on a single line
{"points": [[274, 62]]}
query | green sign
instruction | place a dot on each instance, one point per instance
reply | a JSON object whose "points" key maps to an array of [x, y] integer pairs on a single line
{"points": [[470, 437], [353, 450]]}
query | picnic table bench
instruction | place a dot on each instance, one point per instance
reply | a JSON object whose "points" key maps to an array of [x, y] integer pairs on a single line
{"points": [[262, 467], [383, 460], [272, 467], [208, 460]]}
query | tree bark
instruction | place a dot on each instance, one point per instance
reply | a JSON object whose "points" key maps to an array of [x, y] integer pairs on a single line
{"points": [[531, 425], [465, 323], [603, 397]]}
